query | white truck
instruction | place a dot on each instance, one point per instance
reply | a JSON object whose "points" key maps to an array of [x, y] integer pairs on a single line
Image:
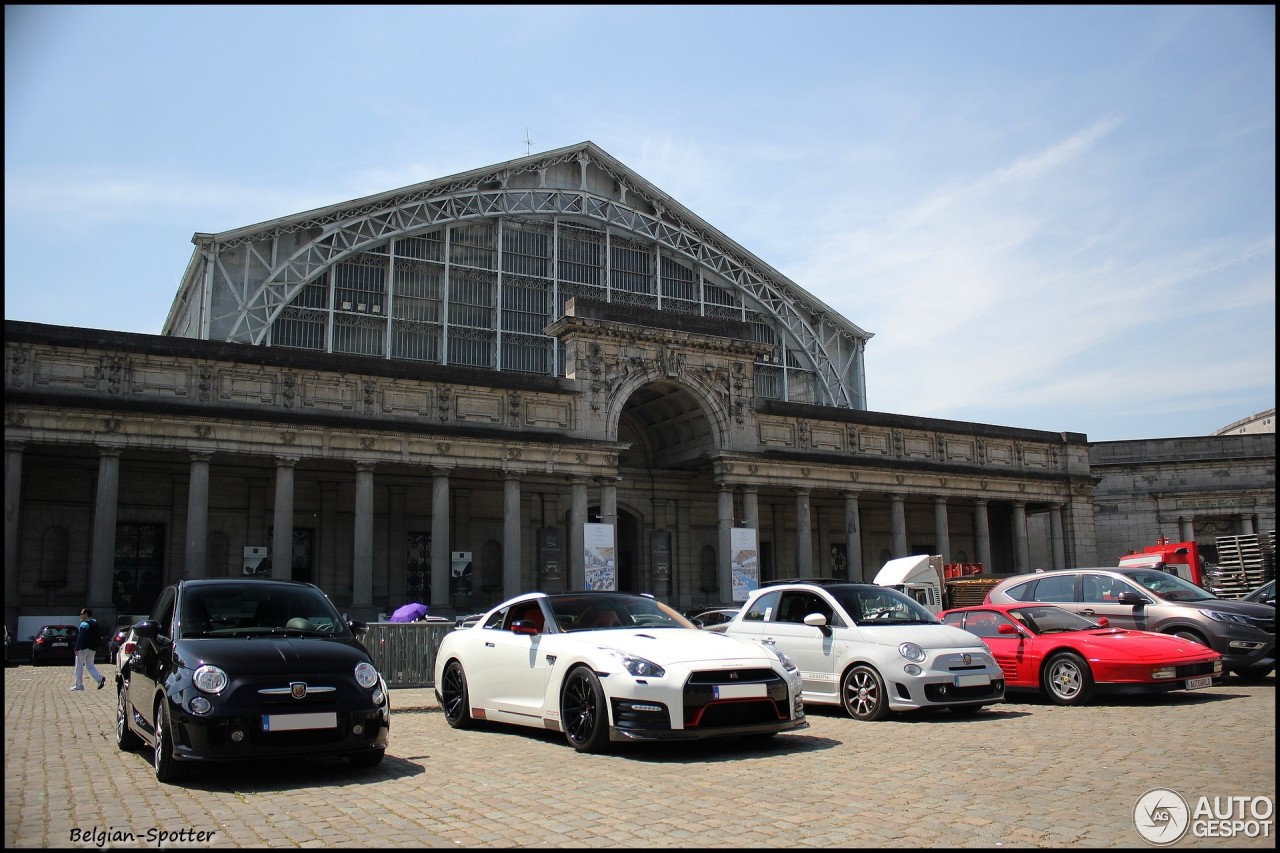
{"points": [[920, 577]]}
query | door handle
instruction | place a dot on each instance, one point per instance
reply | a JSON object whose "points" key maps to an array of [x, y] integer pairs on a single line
{"points": [[768, 641], [1088, 611]]}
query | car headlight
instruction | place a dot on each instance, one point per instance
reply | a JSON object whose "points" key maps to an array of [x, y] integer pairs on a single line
{"points": [[1226, 617], [210, 679], [787, 663], [366, 674], [637, 665], [911, 651]]}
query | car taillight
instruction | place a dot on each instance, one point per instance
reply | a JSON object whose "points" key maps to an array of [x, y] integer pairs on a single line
{"points": [[39, 641], [128, 648]]}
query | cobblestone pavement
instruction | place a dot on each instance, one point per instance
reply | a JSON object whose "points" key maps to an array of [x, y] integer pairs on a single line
{"points": [[1021, 774]]}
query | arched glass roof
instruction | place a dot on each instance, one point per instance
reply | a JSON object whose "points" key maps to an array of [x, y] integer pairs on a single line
{"points": [[470, 270]]}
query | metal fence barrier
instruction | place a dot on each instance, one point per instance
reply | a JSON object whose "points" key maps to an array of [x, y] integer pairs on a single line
{"points": [[405, 652]]}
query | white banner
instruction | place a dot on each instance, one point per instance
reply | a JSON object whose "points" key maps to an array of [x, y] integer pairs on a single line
{"points": [[746, 565], [598, 557]]}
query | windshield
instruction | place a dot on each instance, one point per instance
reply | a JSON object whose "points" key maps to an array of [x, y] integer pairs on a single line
{"points": [[880, 605], [1169, 587], [256, 608], [596, 611], [1052, 620]]}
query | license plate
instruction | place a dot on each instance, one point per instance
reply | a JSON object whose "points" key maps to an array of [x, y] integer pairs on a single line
{"points": [[738, 691], [60, 645], [297, 722], [975, 680], [1194, 683]]}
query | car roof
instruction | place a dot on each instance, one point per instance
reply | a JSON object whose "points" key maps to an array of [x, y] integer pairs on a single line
{"points": [[191, 582], [1121, 570], [822, 582]]}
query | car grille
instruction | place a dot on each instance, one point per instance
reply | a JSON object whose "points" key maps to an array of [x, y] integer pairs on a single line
{"points": [[703, 710], [1192, 669], [1268, 625], [948, 693]]}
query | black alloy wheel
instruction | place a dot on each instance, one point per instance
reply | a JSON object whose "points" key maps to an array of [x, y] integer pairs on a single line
{"points": [[582, 711], [454, 697]]}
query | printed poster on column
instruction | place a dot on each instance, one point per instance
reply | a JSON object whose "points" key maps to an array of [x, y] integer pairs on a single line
{"points": [[598, 557], [746, 566]]}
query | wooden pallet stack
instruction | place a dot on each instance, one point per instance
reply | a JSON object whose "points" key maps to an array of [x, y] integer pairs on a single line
{"points": [[1242, 566]]}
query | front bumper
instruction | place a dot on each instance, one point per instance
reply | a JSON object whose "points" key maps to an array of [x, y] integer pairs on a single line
{"points": [[235, 738], [945, 680]]}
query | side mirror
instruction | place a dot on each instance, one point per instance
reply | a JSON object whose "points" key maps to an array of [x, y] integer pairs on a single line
{"points": [[524, 626], [817, 620], [1130, 597], [1006, 628], [147, 629]]}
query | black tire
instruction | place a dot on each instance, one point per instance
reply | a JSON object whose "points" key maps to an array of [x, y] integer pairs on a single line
{"points": [[168, 768], [364, 760], [582, 711], [1187, 634], [1252, 673], [454, 697], [126, 738], [1067, 679], [863, 695]]}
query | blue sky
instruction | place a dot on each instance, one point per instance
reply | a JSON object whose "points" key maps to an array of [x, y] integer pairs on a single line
{"points": [[1058, 218]]}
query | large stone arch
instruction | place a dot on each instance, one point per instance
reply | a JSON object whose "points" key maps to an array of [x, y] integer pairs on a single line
{"points": [[645, 396]]}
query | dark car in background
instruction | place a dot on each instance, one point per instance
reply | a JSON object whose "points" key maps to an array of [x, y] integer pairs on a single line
{"points": [[54, 644], [1265, 594], [712, 617], [230, 669], [1147, 599]]}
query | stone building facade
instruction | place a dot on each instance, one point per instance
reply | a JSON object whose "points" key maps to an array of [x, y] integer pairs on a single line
{"points": [[430, 395], [1185, 489]]}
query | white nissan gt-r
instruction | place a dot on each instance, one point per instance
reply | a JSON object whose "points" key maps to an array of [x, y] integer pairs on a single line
{"points": [[610, 666]]}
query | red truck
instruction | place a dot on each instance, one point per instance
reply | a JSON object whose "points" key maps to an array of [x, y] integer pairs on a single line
{"points": [[1178, 558]]}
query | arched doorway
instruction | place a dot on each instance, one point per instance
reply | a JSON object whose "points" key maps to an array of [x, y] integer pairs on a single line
{"points": [[667, 484]]}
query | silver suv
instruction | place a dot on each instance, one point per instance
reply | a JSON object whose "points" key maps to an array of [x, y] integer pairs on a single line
{"points": [[1244, 633]]}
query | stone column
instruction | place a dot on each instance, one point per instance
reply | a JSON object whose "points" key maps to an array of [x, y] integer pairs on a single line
{"points": [[362, 546], [1021, 551], [282, 534], [724, 551], [103, 558], [853, 536], [751, 509], [1244, 523], [1057, 541], [898, 520], [441, 565], [577, 533], [941, 530], [511, 582], [804, 534], [1186, 529], [608, 500], [12, 508], [198, 515], [982, 534]]}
